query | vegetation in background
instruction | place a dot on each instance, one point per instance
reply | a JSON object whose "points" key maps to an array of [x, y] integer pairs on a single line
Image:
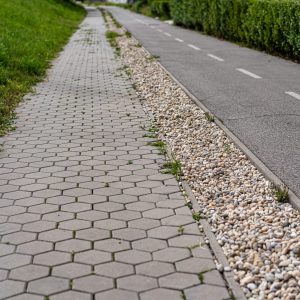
{"points": [[271, 25], [31, 34], [151, 8]]}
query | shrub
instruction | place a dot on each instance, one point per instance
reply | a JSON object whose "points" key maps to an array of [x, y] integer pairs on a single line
{"points": [[271, 25]]}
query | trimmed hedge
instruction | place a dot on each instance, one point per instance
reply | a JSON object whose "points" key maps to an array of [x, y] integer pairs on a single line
{"points": [[160, 8], [271, 25]]}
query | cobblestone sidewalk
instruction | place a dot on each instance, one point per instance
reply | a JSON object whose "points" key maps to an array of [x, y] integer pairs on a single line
{"points": [[85, 212]]}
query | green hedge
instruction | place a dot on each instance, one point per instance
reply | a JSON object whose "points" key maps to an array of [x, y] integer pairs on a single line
{"points": [[160, 8], [271, 25]]}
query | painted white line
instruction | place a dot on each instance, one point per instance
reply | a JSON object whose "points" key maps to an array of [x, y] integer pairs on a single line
{"points": [[194, 47], [295, 95], [167, 34], [249, 73], [159, 30], [179, 40], [215, 57]]}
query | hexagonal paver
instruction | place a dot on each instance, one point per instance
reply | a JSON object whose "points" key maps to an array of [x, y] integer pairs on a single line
{"points": [[109, 206], [158, 213], [74, 224], [34, 247], [93, 257], [92, 234], [12, 210], [172, 203], [171, 254], [136, 191], [114, 269], [92, 215], [14, 260], [140, 206], [52, 258], [163, 232], [60, 200], [76, 207], [71, 270], [24, 218], [48, 285], [110, 224], [161, 293], [55, 235], [137, 283], [107, 191], [155, 268], [126, 215], [92, 199], [71, 295], [77, 192], [186, 241], [179, 281], [177, 220], [149, 244], [58, 216], [206, 292], [29, 273], [10, 288], [117, 294], [129, 234], [195, 265], [123, 199], [144, 223], [93, 284], [73, 245], [6, 249], [132, 257], [39, 226], [18, 238], [112, 245]]}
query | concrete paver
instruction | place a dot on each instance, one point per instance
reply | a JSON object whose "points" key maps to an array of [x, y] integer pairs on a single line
{"points": [[78, 220]]}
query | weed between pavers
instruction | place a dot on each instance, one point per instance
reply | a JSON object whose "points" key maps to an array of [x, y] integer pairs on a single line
{"points": [[197, 216], [281, 193], [128, 34], [181, 229], [201, 276], [152, 57], [160, 145], [209, 117], [172, 167]]}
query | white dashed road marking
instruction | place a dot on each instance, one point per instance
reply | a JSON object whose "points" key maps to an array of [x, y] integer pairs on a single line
{"points": [[295, 95], [159, 30], [167, 34], [215, 57], [249, 73], [179, 40], [194, 47]]}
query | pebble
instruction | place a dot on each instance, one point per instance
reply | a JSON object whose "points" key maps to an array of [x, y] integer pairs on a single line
{"points": [[259, 236]]}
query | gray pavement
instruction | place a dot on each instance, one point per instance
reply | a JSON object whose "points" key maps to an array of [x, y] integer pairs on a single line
{"points": [[256, 95], [85, 212]]}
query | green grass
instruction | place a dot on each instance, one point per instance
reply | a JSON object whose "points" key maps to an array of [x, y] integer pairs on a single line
{"points": [[31, 34], [173, 167], [281, 193], [160, 145]]}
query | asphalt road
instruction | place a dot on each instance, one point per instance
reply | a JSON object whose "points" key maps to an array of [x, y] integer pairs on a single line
{"points": [[256, 95]]}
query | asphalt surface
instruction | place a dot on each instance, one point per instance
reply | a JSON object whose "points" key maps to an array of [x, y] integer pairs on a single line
{"points": [[256, 95]]}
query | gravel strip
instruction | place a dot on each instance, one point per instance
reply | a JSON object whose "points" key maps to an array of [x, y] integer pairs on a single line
{"points": [[259, 235]]}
